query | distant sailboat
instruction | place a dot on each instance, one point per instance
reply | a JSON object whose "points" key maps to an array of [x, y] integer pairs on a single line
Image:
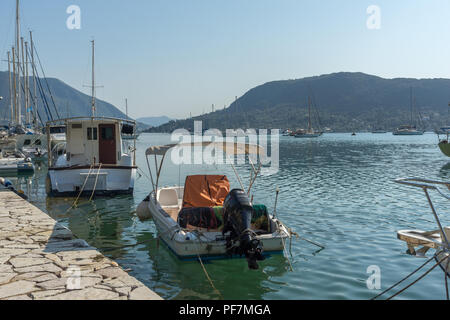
{"points": [[310, 132], [410, 129]]}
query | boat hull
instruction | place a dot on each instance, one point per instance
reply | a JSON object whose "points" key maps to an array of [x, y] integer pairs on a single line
{"points": [[206, 244], [407, 133], [445, 147], [308, 135], [444, 260], [104, 181]]}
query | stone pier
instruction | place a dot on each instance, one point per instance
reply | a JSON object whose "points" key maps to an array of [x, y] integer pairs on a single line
{"points": [[41, 259]]}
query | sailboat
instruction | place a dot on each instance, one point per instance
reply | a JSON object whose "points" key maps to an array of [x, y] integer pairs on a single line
{"points": [[94, 160], [410, 129], [23, 134], [310, 132]]}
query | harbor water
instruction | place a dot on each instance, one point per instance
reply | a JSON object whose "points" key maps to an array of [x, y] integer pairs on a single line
{"points": [[337, 190]]}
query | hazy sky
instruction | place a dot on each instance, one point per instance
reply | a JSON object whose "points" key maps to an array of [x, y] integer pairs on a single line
{"points": [[172, 57]]}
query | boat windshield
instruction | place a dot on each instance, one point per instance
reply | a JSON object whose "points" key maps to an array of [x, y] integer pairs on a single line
{"points": [[58, 129]]}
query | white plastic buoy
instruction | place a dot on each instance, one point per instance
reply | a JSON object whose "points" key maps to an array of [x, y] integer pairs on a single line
{"points": [[142, 211]]}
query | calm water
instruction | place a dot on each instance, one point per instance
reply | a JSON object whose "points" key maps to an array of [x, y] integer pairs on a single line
{"points": [[337, 190]]}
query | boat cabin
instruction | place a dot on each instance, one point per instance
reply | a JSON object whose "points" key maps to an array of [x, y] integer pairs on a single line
{"points": [[95, 140]]}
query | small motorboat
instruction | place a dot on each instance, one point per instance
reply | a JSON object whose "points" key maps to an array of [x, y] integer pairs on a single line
{"points": [[419, 242], [206, 217]]}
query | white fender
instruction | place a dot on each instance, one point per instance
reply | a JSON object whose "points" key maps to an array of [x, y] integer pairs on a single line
{"points": [[142, 211]]}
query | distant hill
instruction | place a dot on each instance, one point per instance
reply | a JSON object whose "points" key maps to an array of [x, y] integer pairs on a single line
{"points": [[69, 101], [345, 102], [154, 121]]}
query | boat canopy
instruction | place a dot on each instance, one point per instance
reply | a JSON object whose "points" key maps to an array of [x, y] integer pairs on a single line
{"points": [[230, 148], [205, 191]]}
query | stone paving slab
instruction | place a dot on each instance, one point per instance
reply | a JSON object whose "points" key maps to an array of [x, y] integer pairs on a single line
{"points": [[42, 260]]}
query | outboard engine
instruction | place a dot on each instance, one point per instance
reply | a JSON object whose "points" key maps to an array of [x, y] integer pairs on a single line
{"points": [[237, 219]]}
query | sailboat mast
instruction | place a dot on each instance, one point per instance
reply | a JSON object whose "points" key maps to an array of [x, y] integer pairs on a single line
{"points": [[411, 102], [11, 103], [23, 85], [18, 105], [93, 78], [309, 113], [27, 86], [126, 107], [34, 81], [13, 120]]}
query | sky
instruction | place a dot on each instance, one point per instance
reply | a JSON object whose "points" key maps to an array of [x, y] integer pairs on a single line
{"points": [[179, 57]]}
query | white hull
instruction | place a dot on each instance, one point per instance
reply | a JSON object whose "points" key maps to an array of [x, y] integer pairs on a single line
{"points": [[17, 165], [407, 133], [106, 180], [207, 244]]}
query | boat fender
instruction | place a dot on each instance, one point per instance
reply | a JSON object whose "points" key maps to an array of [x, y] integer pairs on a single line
{"points": [[142, 211], [2, 181], [7, 183], [190, 236]]}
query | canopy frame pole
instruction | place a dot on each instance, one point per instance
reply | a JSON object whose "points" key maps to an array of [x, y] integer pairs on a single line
{"points": [[252, 181], [237, 175], [151, 175]]}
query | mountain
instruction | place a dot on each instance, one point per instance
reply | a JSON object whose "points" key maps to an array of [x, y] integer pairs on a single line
{"points": [[154, 121], [344, 102], [69, 101]]}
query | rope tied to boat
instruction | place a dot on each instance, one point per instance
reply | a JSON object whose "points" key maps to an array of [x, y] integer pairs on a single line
{"points": [[206, 272], [95, 183], [409, 275], [81, 190]]}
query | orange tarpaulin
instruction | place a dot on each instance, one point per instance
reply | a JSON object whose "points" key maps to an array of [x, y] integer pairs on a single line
{"points": [[205, 190]]}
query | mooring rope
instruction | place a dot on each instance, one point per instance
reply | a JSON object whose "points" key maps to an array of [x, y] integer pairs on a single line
{"points": [[81, 190], [206, 272], [95, 183], [418, 279]]}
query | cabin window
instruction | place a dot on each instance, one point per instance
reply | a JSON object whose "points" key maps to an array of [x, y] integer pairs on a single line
{"points": [[76, 126], [37, 142], [27, 142], [107, 133], [92, 133]]}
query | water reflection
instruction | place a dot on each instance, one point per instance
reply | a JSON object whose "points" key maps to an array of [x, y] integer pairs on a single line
{"points": [[337, 190]]}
